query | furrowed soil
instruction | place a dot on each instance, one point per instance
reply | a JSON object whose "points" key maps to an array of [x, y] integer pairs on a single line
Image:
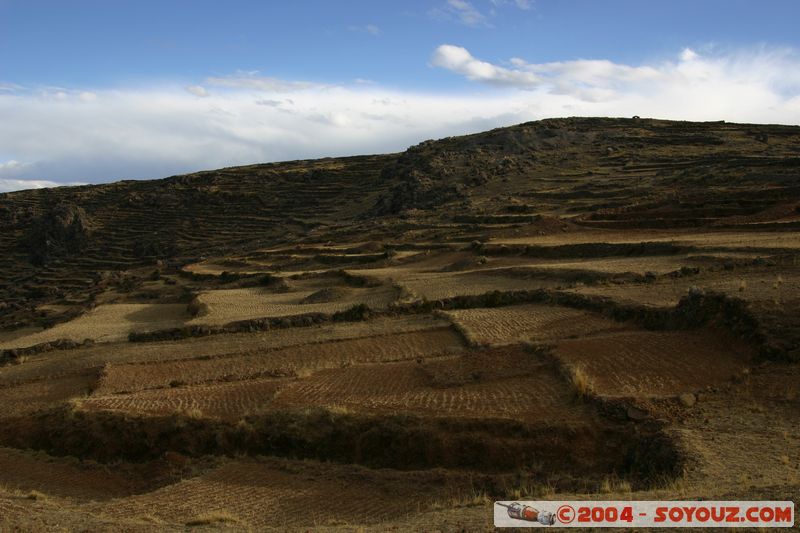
{"points": [[564, 309]]}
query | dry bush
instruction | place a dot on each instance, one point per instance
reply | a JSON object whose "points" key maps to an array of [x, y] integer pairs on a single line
{"points": [[671, 487], [404, 294], [217, 518], [580, 381], [339, 410], [303, 372], [193, 412], [326, 295], [36, 495], [196, 308], [150, 519], [529, 489], [614, 485]]}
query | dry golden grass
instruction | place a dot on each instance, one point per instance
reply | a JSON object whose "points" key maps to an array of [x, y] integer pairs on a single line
{"points": [[756, 285], [716, 239], [534, 322], [438, 388], [57, 364], [36, 495], [29, 397], [473, 498], [216, 518], [215, 400], [616, 265], [580, 381], [108, 323], [653, 363], [300, 361], [436, 286], [230, 305], [615, 485], [289, 495]]}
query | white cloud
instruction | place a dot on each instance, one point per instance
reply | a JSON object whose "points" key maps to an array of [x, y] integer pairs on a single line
{"points": [[688, 55], [271, 103], [717, 80], [12, 178], [197, 90], [10, 87], [8, 185], [10, 165], [467, 13], [569, 77], [158, 131], [462, 11], [459, 60], [251, 80], [522, 4], [165, 130]]}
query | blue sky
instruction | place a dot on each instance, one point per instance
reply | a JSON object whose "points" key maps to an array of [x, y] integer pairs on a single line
{"points": [[95, 91]]}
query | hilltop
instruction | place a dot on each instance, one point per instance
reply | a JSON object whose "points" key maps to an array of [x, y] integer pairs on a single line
{"points": [[597, 173]]}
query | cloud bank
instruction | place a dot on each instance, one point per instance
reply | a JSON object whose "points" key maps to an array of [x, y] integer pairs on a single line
{"points": [[759, 73], [55, 135]]}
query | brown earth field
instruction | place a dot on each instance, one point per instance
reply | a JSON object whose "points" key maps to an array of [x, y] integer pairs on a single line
{"points": [[581, 308]]}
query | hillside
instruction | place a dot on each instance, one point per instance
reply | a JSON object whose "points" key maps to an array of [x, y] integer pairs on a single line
{"points": [[598, 173], [585, 307]]}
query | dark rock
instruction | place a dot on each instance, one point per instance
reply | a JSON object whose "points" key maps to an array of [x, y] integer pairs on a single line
{"points": [[61, 231]]}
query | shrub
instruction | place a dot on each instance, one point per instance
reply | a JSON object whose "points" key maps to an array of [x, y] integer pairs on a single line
{"points": [[355, 313], [581, 382], [196, 308]]}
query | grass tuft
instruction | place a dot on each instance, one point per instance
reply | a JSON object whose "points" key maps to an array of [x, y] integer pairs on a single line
{"points": [[215, 518], [615, 485], [580, 381]]}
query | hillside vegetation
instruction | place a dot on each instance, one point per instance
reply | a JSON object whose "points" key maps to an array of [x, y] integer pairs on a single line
{"points": [[569, 308]]}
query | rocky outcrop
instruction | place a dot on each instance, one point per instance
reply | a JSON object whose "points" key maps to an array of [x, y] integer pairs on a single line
{"points": [[60, 231], [421, 183]]}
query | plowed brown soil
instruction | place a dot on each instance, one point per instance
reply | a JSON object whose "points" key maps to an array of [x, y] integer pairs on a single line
{"points": [[650, 363]]}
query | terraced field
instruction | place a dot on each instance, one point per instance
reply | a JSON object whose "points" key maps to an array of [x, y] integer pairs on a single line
{"points": [[279, 362], [637, 265], [108, 323], [219, 400], [68, 478], [575, 309], [230, 305], [756, 285], [264, 493], [439, 286], [406, 388], [53, 364], [755, 240], [27, 398], [655, 364], [536, 323]]}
